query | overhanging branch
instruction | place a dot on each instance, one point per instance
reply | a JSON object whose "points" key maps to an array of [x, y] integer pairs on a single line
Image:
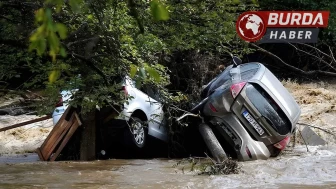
{"points": [[294, 69], [90, 63]]}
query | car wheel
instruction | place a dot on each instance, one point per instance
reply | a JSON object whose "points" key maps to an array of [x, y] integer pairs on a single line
{"points": [[138, 132]]}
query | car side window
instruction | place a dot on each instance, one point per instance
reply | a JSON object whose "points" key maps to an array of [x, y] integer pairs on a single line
{"points": [[151, 92], [154, 93]]}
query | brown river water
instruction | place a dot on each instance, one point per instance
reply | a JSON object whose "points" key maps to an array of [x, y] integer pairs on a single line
{"points": [[295, 169]]}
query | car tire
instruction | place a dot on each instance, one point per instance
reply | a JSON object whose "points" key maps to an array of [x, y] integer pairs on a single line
{"points": [[137, 131]]}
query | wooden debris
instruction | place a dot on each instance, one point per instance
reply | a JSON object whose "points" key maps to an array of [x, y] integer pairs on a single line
{"points": [[25, 123], [59, 136]]}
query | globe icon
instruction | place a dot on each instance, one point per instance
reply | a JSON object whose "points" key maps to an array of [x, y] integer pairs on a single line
{"points": [[250, 27]]}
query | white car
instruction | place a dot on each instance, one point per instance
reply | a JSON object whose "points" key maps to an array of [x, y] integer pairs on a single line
{"points": [[143, 114]]}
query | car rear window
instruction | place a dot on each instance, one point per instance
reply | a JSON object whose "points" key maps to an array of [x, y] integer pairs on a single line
{"points": [[268, 108]]}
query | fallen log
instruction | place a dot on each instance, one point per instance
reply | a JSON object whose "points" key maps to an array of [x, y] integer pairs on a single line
{"points": [[25, 123], [212, 143]]}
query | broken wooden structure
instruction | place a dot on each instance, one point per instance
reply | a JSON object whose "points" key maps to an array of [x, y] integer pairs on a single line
{"points": [[59, 136]]}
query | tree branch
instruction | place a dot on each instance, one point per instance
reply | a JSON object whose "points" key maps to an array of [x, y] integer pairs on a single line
{"points": [[81, 41], [319, 58], [295, 69], [90, 63]]}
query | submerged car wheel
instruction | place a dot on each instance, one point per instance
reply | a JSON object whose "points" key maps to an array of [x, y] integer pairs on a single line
{"points": [[138, 132]]}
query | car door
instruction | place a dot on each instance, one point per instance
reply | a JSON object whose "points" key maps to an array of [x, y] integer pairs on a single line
{"points": [[156, 120]]}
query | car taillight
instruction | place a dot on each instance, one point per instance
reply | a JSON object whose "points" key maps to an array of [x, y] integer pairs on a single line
{"points": [[236, 88], [59, 103], [283, 143], [125, 90], [212, 107]]}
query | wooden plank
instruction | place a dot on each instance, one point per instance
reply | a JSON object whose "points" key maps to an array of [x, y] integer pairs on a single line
{"points": [[25, 123], [38, 151], [52, 137], [78, 119], [55, 128], [57, 137], [72, 130], [55, 131]]}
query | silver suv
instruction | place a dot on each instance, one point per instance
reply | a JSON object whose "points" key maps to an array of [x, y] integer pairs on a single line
{"points": [[142, 114], [252, 111]]}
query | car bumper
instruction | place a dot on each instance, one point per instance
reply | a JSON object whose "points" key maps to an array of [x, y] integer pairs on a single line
{"points": [[245, 146]]}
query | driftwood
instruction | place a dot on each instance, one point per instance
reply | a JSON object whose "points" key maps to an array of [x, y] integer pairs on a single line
{"points": [[25, 123]]}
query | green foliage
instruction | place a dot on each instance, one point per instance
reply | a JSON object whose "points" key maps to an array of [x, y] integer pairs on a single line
{"points": [[204, 26], [46, 34], [155, 42], [158, 10]]}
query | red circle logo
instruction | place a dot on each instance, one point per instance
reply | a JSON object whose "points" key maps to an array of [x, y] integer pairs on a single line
{"points": [[250, 26]]}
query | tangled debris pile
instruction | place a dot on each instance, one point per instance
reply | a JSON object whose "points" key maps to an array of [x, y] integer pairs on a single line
{"points": [[227, 167], [207, 166]]}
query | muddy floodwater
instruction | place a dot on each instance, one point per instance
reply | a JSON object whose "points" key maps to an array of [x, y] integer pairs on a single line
{"points": [[295, 169]]}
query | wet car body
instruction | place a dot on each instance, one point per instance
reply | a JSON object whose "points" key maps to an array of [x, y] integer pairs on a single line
{"points": [[140, 117], [251, 110]]}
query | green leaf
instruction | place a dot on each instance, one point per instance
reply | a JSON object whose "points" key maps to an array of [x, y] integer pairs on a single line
{"points": [[63, 52], [153, 73], [40, 15], [53, 41], [41, 46], [54, 45], [133, 70], [142, 73], [159, 11], [62, 30], [236, 1], [49, 20], [90, 16], [54, 75]]}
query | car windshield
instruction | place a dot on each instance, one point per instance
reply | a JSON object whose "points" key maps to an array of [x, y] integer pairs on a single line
{"points": [[268, 109]]}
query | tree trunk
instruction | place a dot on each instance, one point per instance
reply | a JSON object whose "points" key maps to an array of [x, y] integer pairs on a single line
{"points": [[88, 137], [212, 143]]}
